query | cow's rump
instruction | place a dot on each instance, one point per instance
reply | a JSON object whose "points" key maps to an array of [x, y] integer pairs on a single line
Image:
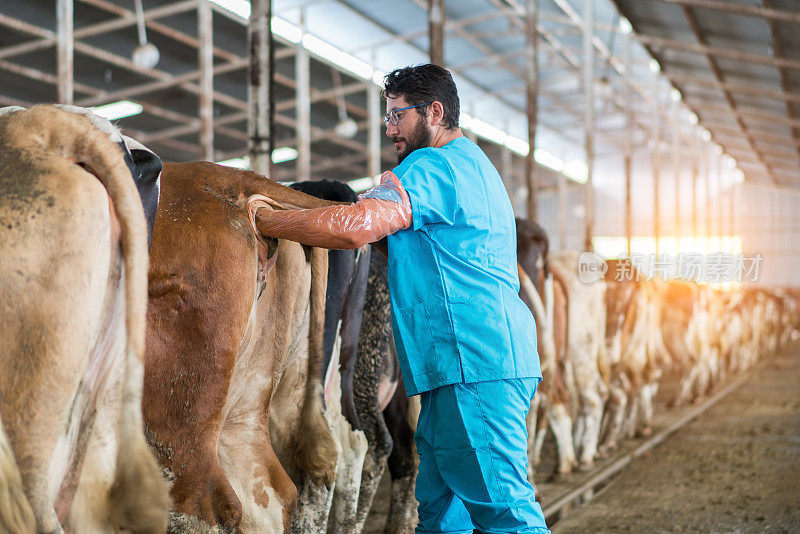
{"points": [[72, 296], [234, 335]]}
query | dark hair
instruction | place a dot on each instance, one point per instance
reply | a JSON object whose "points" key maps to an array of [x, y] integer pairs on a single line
{"points": [[425, 83]]}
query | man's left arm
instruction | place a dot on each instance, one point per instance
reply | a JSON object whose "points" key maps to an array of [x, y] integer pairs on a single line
{"points": [[381, 211]]}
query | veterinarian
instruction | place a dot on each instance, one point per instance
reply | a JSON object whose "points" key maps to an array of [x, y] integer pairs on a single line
{"points": [[465, 340]]}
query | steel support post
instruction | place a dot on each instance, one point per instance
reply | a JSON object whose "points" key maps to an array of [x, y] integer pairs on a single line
{"points": [[303, 109], [206, 60], [562, 211], [655, 113], [588, 110], [718, 202], [676, 169], [469, 133], [65, 43], [709, 232], [736, 205], [507, 166], [373, 130], [531, 94], [704, 164], [436, 18], [732, 212], [628, 141], [694, 141], [260, 107]]}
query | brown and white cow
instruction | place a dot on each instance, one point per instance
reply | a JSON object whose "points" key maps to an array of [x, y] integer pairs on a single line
{"points": [[371, 414], [687, 330], [72, 317], [232, 396], [632, 368], [586, 345], [545, 294], [344, 303]]}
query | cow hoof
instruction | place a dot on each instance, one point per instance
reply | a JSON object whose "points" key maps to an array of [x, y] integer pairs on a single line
{"points": [[218, 509], [565, 469]]}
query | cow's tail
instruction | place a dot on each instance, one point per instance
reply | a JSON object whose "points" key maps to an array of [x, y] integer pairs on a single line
{"points": [[526, 284], [16, 514], [542, 317], [139, 496], [567, 374], [318, 449]]}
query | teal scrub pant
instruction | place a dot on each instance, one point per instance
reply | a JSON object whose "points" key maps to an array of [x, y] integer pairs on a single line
{"points": [[472, 443]]}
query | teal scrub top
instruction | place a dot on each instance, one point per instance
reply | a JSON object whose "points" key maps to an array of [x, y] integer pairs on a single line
{"points": [[456, 310]]}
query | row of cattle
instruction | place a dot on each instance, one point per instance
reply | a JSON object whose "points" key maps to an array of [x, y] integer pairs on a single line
{"points": [[607, 345], [167, 367], [228, 381]]}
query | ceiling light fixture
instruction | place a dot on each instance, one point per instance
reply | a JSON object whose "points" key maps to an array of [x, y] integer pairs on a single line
{"points": [[118, 110], [146, 55], [279, 155]]}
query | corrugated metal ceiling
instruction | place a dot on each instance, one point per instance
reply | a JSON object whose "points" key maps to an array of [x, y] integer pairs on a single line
{"points": [[736, 63]]}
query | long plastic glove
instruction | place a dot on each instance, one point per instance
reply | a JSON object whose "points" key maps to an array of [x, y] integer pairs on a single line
{"points": [[381, 211]]}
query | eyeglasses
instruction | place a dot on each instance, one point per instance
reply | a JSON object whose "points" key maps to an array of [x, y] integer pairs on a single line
{"points": [[392, 115]]}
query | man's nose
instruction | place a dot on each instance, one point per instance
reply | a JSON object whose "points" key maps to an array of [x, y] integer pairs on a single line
{"points": [[391, 130]]}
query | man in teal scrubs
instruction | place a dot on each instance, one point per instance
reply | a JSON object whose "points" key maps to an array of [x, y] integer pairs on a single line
{"points": [[465, 340]]}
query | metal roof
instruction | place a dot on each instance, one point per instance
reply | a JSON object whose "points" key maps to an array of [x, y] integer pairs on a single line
{"points": [[734, 62], [737, 65]]}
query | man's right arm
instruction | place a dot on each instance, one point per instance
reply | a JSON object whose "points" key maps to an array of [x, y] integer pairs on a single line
{"points": [[379, 212]]}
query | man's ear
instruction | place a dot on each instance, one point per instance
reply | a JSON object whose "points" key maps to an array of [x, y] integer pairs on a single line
{"points": [[436, 113]]}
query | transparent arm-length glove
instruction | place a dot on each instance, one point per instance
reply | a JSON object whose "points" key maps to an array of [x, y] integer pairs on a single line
{"points": [[380, 211]]}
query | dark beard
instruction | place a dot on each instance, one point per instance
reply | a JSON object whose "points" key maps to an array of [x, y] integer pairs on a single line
{"points": [[420, 138]]}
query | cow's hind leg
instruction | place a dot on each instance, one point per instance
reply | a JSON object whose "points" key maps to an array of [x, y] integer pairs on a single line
{"points": [[589, 426], [185, 396], [375, 381], [349, 473], [49, 317], [633, 415], [687, 387], [648, 395], [614, 417], [15, 510], [318, 448], [267, 494], [374, 467], [561, 423], [380, 444], [536, 423], [401, 417], [139, 495]]}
